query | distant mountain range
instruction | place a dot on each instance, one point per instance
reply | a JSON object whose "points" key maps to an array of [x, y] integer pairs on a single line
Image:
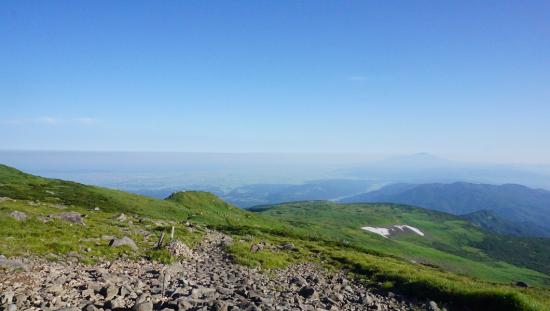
{"points": [[511, 209], [330, 189], [422, 168]]}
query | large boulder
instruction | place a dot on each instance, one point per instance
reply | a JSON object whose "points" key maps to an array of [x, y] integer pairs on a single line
{"points": [[308, 292], [125, 241], [19, 216], [109, 292], [72, 217], [143, 306]]}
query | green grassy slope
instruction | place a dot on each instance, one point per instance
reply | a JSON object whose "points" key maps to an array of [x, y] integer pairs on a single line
{"points": [[40, 197], [449, 242], [148, 218], [524, 209]]}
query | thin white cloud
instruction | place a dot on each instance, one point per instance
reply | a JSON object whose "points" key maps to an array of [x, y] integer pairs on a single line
{"points": [[357, 78], [84, 120], [45, 120]]}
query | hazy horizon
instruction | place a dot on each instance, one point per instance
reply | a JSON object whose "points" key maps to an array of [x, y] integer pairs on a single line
{"points": [[177, 170], [352, 155]]}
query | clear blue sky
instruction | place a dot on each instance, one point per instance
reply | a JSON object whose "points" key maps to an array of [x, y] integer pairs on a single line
{"points": [[462, 79]]}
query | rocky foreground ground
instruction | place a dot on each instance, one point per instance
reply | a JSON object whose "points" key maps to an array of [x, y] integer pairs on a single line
{"points": [[206, 280]]}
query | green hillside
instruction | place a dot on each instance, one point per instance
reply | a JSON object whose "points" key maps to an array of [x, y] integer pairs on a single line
{"points": [[482, 284], [519, 210], [449, 242]]}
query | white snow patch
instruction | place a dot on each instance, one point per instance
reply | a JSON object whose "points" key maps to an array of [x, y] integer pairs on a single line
{"points": [[413, 229], [387, 232]]}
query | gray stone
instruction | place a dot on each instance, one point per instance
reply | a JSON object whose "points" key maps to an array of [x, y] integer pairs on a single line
{"points": [[143, 306], [55, 289], [256, 248], [20, 298], [72, 217], [175, 268], [89, 307], [116, 303], [289, 246], [19, 216], [125, 241], [6, 297], [109, 292], [122, 217], [298, 281], [308, 292], [433, 306]]}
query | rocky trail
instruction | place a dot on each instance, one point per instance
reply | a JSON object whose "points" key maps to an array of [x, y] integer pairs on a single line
{"points": [[206, 280]]}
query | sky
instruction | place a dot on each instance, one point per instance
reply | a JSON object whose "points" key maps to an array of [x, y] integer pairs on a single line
{"points": [[467, 80]]}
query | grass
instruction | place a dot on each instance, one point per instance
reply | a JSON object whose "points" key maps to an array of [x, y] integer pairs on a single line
{"points": [[449, 242], [382, 264], [58, 237]]}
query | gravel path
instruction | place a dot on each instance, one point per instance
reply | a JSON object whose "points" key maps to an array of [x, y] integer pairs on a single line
{"points": [[206, 280]]}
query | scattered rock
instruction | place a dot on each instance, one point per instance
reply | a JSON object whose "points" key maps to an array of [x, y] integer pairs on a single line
{"points": [[19, 216], [55, 289], [12, 264], [206, 280], [174, 268], [4, 199], [179, 249], [521, 284], [256, 248], [125, 241], [289, 246], [72, 217], [122, 217], [433, 306], [43, 219]]}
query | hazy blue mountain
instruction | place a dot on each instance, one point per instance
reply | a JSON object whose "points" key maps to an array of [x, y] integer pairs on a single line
{"points": [[491, 221], [332, 189], [424, 168], [515, 209]]}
